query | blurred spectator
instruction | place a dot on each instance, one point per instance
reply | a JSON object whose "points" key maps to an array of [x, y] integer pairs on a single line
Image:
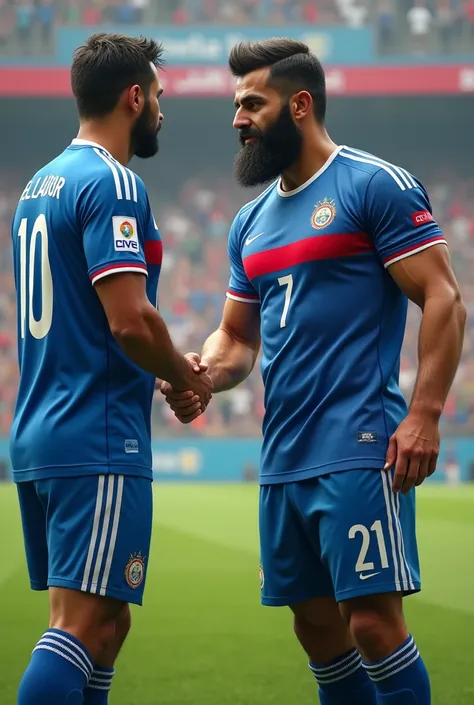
{"points": [[385, 26], [24, 23], [45, 14], [446, 25], [420, 20]]}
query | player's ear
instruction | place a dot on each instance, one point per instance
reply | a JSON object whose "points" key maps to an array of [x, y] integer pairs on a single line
{"points": [[301, 104], [136, 99]]}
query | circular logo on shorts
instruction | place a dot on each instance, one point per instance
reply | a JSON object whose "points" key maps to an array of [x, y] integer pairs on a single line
{"points": [[135, 571], [323, 215], [261, 576], [126, 229]]}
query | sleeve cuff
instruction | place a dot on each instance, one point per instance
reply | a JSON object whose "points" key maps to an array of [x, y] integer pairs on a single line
{"points": [[137, 267], [413, 250], [243, 297]]}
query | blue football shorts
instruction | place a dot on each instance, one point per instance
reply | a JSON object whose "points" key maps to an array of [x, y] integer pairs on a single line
{"points": [[88, 533], [345, 534]]}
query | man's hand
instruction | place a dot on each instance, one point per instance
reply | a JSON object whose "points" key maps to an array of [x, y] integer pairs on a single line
{"points": [[414, 450], [187, 406]]}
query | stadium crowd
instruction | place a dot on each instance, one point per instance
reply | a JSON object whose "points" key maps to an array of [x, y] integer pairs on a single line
{"points": [[192, 286], [27, 26]]}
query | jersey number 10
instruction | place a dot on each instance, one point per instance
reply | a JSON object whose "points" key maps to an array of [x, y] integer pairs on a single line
{"points": [[38, 328]]}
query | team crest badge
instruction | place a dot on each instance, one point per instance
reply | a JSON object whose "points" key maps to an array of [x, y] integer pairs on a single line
{"points": [[126, 229], [135, 571], [261, 576], [323, 214]]}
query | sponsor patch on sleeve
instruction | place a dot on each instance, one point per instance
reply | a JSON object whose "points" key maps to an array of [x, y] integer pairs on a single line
{"points": [[421, 217], [125, 234]]}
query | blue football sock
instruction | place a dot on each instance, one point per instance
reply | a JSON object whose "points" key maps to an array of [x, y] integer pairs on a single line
{"points": [[344, 681], [58, 672], [97, 692], [402, 678]]}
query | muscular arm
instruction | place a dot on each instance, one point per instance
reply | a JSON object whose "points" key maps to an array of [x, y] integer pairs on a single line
{"points": [[232, 350], [140, 330], [428, 280]]}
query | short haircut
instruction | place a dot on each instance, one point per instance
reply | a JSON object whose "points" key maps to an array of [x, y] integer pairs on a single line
{"points": [[106, 65], [292, 68]]}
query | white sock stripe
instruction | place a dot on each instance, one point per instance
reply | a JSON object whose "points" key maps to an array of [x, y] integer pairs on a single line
{"points": [[98, 687], [44, 647], [101, 679], [398, 656], [103, 536], [334, 668], [109, 674], [113, 536], [386, 491], [94, 534], [329, 679], [411, 584], [83, 661], [82, 653], [377, 679]]}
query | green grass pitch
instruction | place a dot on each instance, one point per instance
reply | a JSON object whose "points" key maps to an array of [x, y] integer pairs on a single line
{"points": [[202, 636]]}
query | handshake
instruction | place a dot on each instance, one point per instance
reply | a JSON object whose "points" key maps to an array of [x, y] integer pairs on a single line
{"points": [[187, 406]]}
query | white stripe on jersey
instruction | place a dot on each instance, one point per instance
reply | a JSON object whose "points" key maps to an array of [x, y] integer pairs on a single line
{"points": [[243, 299], [406, 176], [114, 171], [139, 267], [381, 165], [134, 185]]}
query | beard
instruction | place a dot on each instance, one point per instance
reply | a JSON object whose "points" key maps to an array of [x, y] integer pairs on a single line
{"points": [[145, 135], [276, 150]]}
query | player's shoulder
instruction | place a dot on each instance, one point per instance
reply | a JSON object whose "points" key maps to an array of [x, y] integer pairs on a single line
{"points": [[370, 167], [257, 204], [104, 174]]}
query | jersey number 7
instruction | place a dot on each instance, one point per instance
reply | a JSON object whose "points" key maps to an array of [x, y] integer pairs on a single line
{"points": [[288, 282], [38, 328]]}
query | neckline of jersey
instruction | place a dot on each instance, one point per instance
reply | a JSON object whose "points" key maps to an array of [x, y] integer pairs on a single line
{"points": [[77, 142], [326, 165]]}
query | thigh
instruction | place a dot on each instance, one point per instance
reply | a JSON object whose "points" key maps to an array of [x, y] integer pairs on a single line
{"points": [[99, 531], [367, 534], [291, 570], [33, 519]]}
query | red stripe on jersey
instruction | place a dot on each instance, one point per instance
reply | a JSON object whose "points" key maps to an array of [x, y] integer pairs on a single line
{"points": [[119, 266], [307, 250], [419, 246], [153, 251], [240, 295]]}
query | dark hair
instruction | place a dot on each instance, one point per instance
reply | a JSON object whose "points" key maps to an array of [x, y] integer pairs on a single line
{"points": [[292, 68], [106, 65]]}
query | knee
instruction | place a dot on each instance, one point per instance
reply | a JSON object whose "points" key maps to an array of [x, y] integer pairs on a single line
{"points": [[376, 635]]}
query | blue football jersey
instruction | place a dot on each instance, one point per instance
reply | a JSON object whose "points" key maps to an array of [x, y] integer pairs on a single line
{"points": [[83, 406], [332, 319]]}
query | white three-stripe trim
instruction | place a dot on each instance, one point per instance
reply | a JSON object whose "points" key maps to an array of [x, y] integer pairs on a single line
{"points": [[405, 175], [400, 563], [102, 522], [386, 492], [128, 177], [382, 165]]}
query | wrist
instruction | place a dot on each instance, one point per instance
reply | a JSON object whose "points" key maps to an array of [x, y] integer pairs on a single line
{"points": [[428, 409]]}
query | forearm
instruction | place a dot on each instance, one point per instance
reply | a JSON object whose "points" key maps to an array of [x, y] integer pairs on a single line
{"points": [[230, 361], [148, 345], [439, 351]]}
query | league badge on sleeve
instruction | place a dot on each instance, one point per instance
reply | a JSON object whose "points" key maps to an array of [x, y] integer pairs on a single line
{"points": [[125, 234], [323, 214], [135, 571]]}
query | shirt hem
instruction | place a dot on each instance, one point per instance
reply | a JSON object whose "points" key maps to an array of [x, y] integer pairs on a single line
{"points": [[81, 471], [318, 470]]}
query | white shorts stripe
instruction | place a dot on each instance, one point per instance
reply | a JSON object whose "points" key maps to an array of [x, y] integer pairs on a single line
{"points": [[63, 655], [387, 490], [381, 165], [405, 175], [103, 536], [411, 584], [113, 536], [114, 171], [398, 539], [95, 532]]}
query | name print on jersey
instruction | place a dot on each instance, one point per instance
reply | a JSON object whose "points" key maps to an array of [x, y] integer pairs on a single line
{"points": [[125, 234], [49, 185]]}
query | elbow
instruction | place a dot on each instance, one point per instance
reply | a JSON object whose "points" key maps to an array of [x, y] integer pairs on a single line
{"points": [[133, 330], [459, 308]]}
